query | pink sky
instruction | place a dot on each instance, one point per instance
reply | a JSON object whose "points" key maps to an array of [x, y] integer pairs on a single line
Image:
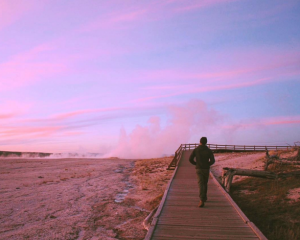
{"points": [[136, 79]]}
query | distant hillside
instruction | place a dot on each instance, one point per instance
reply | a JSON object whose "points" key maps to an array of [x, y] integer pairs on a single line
{"points": [[23, 154], [51, 155]]}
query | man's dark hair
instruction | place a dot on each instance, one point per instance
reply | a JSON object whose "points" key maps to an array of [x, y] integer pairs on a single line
{"points": [[203, 140]]}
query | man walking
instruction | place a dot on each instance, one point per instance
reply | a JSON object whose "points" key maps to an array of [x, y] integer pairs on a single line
{"points": [[204, 159]]}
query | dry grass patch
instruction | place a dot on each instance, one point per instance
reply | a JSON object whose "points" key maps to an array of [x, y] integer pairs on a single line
{"points": [[269, 205], [125, 219], [151, 178]]}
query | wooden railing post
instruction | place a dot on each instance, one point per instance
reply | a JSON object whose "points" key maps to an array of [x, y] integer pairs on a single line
{"points": [[190, 146]]}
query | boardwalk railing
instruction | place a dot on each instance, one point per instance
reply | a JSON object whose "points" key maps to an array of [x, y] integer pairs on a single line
{"points": [[223, 148]]}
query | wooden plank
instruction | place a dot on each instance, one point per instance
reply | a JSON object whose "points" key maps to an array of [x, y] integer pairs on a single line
{"points": [[189, 231], [182, 204], [204, 223], [193, 230], [203, 218], [200, 237]]}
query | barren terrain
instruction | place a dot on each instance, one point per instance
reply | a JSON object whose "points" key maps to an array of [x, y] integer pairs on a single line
{"points": [[78, 198], [95, 198]]}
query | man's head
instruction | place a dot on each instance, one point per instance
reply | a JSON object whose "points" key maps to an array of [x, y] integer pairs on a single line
{"points": [[203, 141]]}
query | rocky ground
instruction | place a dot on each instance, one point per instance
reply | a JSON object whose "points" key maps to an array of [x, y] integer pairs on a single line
{"points": [[78, 198]]}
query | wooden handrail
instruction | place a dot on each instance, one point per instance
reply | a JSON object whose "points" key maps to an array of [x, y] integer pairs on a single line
{"points": [[176, 158], [219, 148], [237, 147]]}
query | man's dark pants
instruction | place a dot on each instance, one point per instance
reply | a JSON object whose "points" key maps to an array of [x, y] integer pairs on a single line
{"points": [[202, 175]]}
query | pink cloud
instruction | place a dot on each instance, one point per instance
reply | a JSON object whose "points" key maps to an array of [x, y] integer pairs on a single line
{"points": [[265, 122], [12, 109], [28, 67], [72, 133], [111, 20], [63, 125], [75, 119], [148, 11], [194, 5], [234, 63], [173, 74], [191, 89], [153, 140], [272, 12], [268, 130], [60, 127], [130, 16], [12, 11], [47, 131], [242, 69], [81, 112], [282, 120], [6, 116]]}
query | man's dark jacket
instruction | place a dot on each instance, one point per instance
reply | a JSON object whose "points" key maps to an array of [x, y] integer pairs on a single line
{"points": [[204, 157]]}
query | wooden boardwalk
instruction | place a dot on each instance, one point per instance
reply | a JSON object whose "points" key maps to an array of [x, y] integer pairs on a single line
{"points": [[178, 216]]}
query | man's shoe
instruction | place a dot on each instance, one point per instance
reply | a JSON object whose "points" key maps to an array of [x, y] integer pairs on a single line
{"points": [[201, 204]]}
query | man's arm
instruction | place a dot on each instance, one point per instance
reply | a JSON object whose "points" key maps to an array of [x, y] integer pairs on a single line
{"points": [[211, 159], [192, 161]]}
